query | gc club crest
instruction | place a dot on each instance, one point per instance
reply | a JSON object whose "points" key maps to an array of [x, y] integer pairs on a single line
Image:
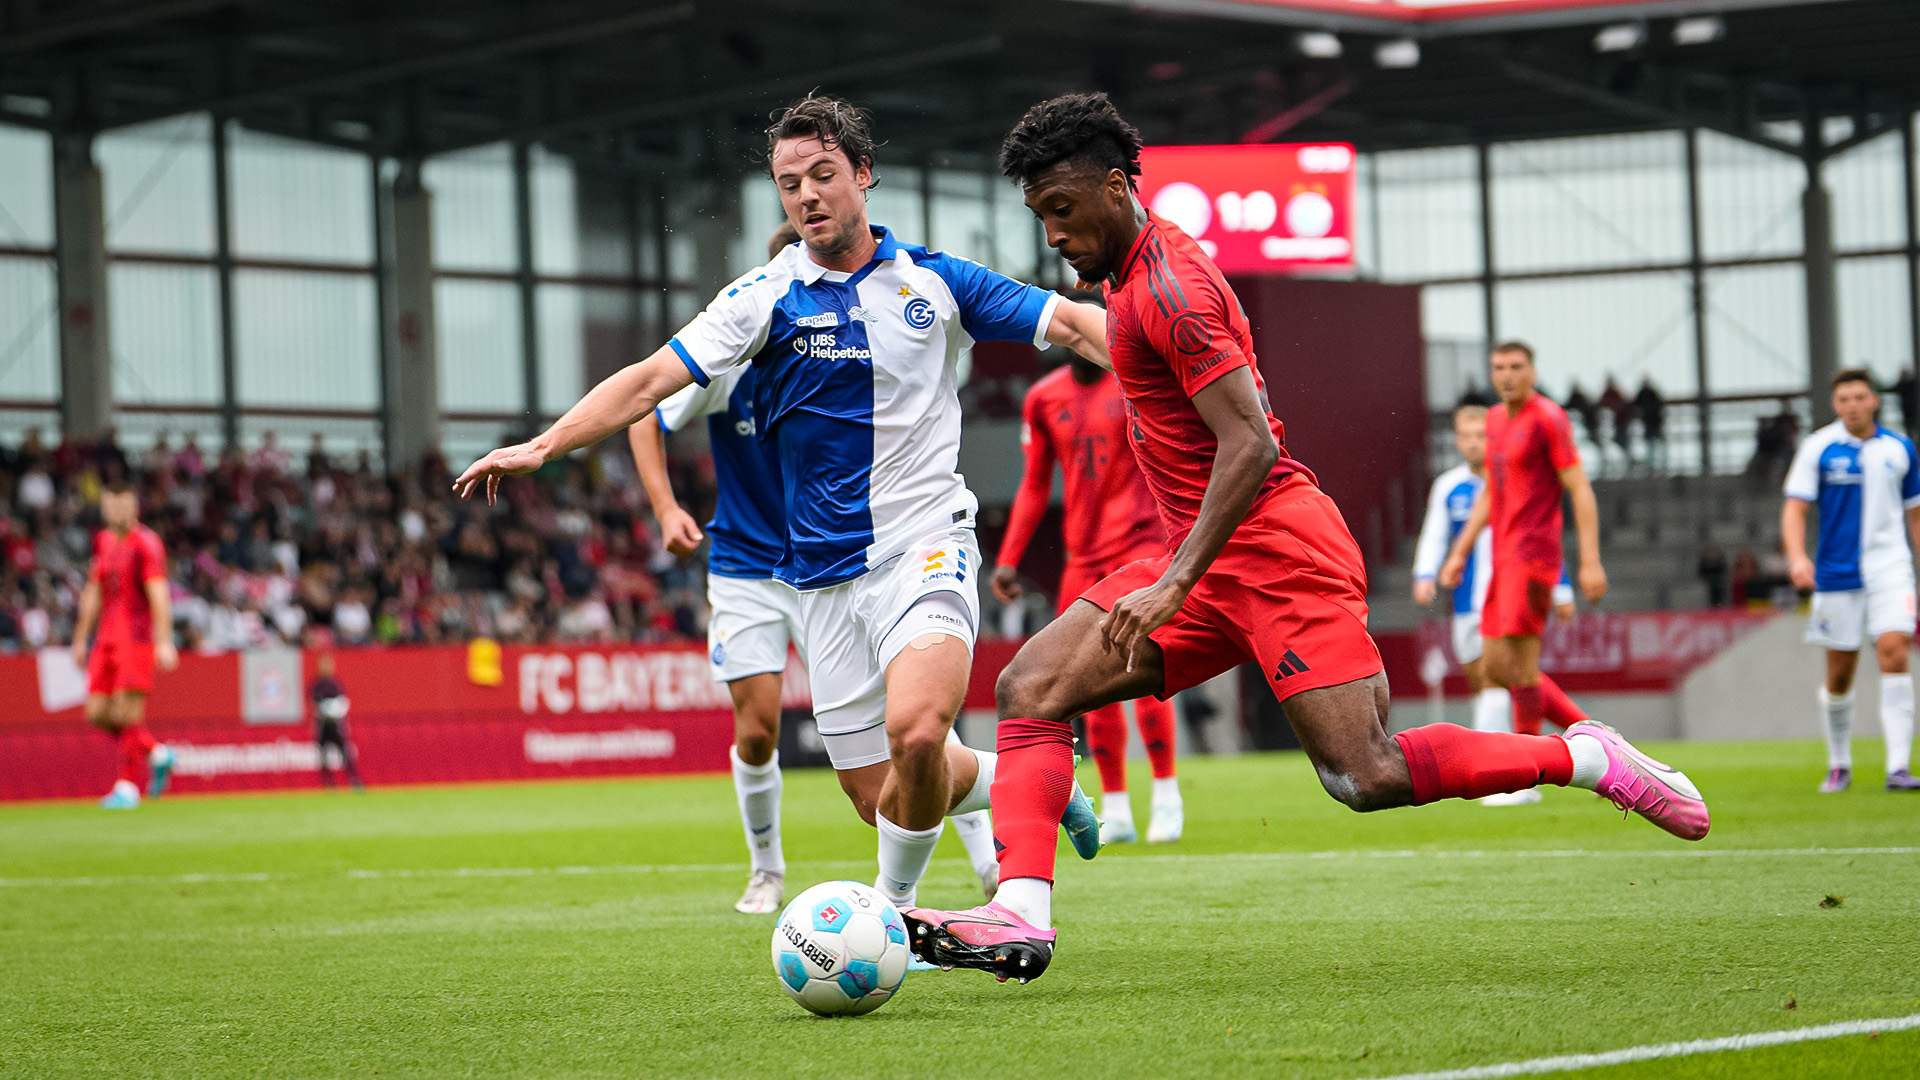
{"points": [[919, 313]]}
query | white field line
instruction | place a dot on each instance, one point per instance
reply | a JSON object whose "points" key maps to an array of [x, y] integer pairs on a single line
{"points": [[1571, 1062], [714, 868]]}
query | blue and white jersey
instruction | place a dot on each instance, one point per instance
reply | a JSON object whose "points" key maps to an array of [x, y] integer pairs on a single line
{"points": [[1862, 488], [855, 386], [1449, 505], [749, 526]]}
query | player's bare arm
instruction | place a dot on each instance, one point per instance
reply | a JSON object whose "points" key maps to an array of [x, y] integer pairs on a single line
{"points": [[1247, 453], [1082, 328], [678, 530], [1793, 541], [83, 621], [160, 601], [1456, 565], [622, 399], [1586, 525]]}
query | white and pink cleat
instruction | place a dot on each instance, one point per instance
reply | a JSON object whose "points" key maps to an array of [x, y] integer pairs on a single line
{"points": [[990, 938], [1637, 783]]}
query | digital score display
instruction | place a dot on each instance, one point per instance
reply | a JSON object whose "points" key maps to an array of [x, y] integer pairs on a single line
{"points": [[1278, 208]]}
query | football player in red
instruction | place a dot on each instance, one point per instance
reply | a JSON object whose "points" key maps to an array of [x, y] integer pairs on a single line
{"points": [[1262, 569], [127, 601], [1076, 416], [1531, 461]]}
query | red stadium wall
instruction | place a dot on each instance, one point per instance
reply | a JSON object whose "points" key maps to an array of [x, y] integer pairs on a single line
{"points": [[1346, 372], [419, 715]]}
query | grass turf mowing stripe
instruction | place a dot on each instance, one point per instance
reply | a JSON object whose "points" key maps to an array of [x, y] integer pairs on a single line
{"points": [[719, 868], [1754, 1041]]}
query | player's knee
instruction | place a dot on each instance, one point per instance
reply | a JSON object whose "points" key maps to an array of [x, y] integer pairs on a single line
{"points": [[916, 745], [1894, 654], [1366, 788], [755, 747], [1022, 689]]}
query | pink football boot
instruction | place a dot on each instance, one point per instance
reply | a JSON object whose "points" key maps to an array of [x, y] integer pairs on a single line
{"points": [[990, 937], [1636, 782]]}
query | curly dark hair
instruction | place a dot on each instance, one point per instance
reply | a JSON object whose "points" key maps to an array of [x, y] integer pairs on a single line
{"points": [[836, 122], [1071, 126]]}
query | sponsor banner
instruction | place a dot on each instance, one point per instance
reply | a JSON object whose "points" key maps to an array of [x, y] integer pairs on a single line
{"points": [[1257, 208], [1639, 652]]}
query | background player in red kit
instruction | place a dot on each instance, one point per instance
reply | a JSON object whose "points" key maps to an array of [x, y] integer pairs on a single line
{"points": [[1531, 460], [1263, 569], [127, 594], [1077, 416]]}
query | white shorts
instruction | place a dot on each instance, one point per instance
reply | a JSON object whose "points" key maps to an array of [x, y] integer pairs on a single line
{"points": [[1467, 642], [854, 630], [752, 621], [1838, 618]]}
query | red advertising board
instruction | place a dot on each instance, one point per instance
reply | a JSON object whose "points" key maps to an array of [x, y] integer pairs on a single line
{"points": [[1432, 11], [1257, 209]]}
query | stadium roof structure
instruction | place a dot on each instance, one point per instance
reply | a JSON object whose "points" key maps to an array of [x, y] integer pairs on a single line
{"points": [[686, 84]]}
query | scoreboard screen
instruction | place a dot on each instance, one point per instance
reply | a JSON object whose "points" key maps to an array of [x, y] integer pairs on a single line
{"points": [[1277, 208]]}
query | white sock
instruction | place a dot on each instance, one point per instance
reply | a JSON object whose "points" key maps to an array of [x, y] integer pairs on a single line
{"points": [[904, 854], [1028, 897], [1589, 761], [1493, 710], [757, 789], [159, 754], [1837, 714], [1896, 718], [976, 833], [980, 795], [1116, 807], [1166, 791], [126, 787]]}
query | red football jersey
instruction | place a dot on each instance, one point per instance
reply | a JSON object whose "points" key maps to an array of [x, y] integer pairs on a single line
{"points": [[122, 568], [1109, 513], [1525, 454], [1173, 327]]}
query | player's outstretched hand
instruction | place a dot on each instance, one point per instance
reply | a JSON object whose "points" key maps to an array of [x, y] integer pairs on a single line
{"points": [[1800, 570], [1593, 582], [1452, 569], [506, 461], [1423, 591], [1131, 623], [679, 531], [1006, 584], [165, 656]]}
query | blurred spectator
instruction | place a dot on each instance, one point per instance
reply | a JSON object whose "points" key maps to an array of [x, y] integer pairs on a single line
{"points": [[1477, 395], [1775, 438], [1713, 572], [1906, 390], [261, 553], [1745, 567], [1582, 406], [1620, 407], [1651, 408]]}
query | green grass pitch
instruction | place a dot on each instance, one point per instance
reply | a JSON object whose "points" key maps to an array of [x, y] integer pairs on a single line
{"points": [[586, 929]]}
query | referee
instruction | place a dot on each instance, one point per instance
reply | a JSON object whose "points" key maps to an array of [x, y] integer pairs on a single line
{"points": [[330, 721]]}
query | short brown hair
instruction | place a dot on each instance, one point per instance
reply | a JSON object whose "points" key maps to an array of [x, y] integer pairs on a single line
{"points": [[837, 123], [1469, 411], [117, 486], [1516, 345], [1855, 374]]}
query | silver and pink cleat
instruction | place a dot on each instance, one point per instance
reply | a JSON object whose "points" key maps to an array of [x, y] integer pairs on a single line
{"points": [[990, 938], [1837, 781], [1637, 783]]}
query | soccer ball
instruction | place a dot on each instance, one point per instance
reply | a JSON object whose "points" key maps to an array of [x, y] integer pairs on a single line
{"points": [[840, 949]]}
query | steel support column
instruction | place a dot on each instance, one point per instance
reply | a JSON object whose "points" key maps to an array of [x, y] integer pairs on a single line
{"points": [[1696, 271], [411, 390], [1483, 159], [223, 269], [1910, 171], [524, 279], [1823, 323], [80, 268], [382, 304]]}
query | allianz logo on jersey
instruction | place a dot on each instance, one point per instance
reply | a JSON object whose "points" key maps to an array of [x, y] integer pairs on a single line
{"points": [[824, 346]]}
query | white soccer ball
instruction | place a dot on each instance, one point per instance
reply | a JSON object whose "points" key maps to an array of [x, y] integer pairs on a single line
{"points": [[840, 949]]}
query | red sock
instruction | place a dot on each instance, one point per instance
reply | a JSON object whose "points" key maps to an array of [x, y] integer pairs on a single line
{"points": [[136, 742], [1450, 762], [1107, 738], [1556, 705], [1528, 708], [1031, 785], [1155, 718]]}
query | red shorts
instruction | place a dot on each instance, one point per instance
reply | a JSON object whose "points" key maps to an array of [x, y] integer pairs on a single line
{"points": [[1078, 577], [1289, 591], [114, 666], [1518, 598]]}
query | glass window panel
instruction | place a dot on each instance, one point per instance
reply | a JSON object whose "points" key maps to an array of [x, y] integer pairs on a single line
{"points": [[760, 215], [138, 429], [477, 333], [472, 208], [26, 187], [1615, 200], [1016, 233], [1749, 199], [1756, 329], [1453, 321], [166, 333], [1867, 189], [341, 438], [563, 337], [1429, 213], [306, 339], [296, 200], [896, 203], [159, 186], [1873, 315], [962, 216], [1621, 326], [29, 338], [15, 423], [463, 441], [556, 213]]}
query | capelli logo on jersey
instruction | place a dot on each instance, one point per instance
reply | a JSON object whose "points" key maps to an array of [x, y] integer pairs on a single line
{"points": [[824, 320]]}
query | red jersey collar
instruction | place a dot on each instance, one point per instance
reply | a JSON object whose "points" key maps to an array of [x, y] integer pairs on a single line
{"points": [[1139, 247]]}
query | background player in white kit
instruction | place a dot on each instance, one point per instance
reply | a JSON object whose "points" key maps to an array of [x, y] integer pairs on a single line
{"points": [[855, 340], [1449, 504], [1866, 482], [753, 616]]}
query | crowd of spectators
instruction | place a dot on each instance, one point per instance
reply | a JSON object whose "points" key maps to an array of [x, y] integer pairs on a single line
{"points": [[265, 549]]}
